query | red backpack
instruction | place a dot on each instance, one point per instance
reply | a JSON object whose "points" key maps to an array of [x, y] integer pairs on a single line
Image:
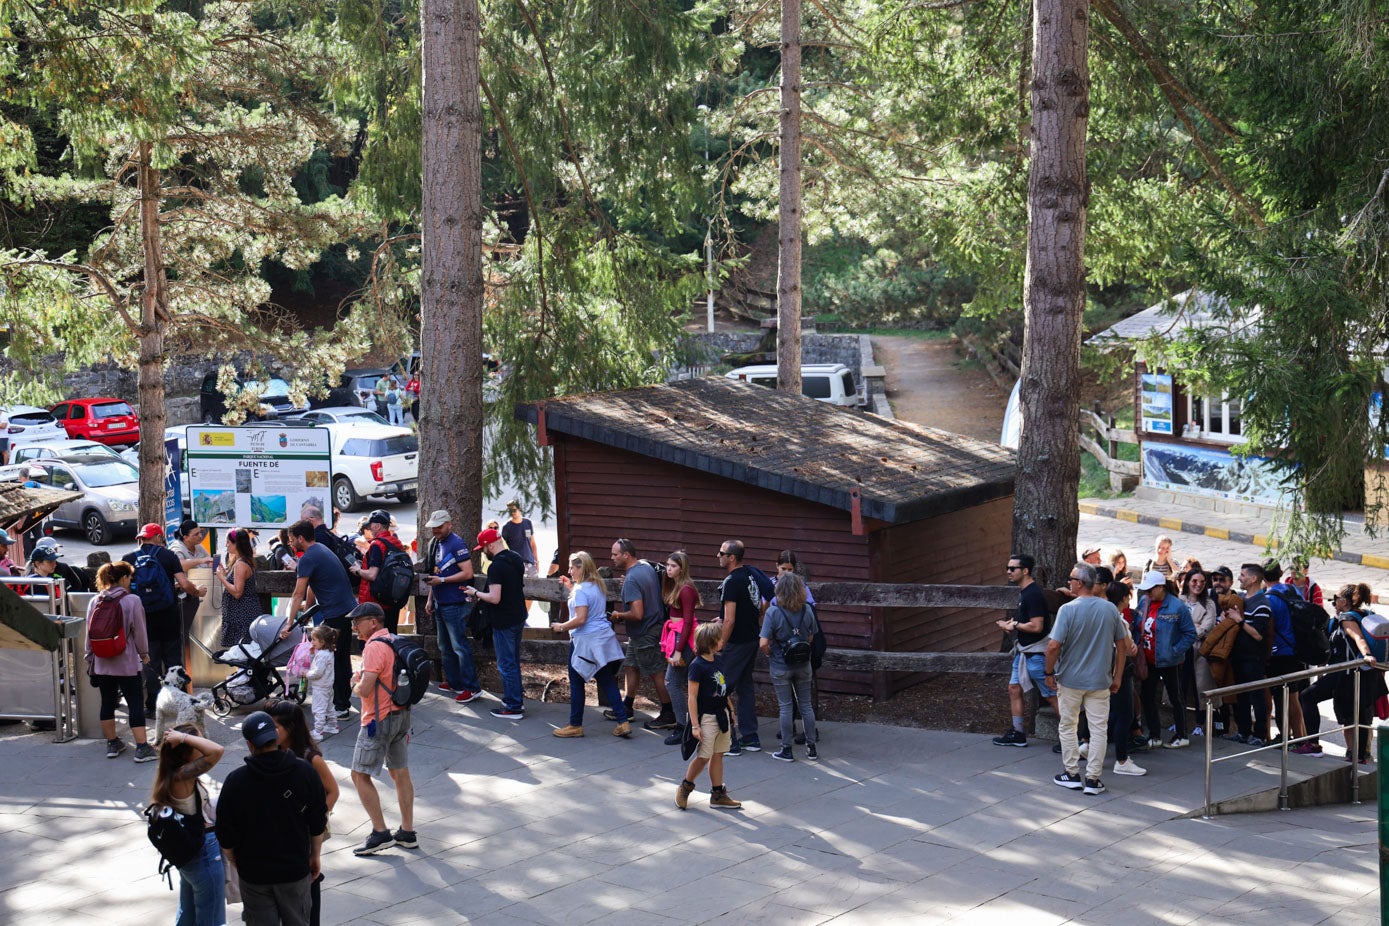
{"points": [[106, 628]]}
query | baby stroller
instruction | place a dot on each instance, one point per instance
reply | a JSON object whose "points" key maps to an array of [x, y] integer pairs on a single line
{"points": [[258, 660]]}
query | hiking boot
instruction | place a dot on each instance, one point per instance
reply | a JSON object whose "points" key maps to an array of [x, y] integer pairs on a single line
{"points": [[682, 794], [752, 744], [675, 739], [378, 841], [406, 839], [718, 797], [144, 752], [568, 731], [623, 730], [1011, 738], [464, 696], [811, 752], [1129, 767], [1177, 742], [665, 720], [784, 755], [1067, 780], [115, 748], [1094, 786], [611, 714]]}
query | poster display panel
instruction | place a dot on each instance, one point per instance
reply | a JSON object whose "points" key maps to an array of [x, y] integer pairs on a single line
{"points": [[1157, 403], [257, 476]]}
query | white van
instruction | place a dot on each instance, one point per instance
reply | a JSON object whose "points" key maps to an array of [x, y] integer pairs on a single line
{"points": [[827, 382]]}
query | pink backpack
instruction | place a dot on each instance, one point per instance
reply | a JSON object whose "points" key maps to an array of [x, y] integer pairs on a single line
{"points": [[301, 659]]}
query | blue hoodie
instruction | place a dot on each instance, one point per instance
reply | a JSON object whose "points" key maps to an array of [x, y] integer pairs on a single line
{"points": [[1174, 631]]}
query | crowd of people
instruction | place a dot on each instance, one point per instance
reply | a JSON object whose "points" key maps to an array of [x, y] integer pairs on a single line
{"points": [[1105, 649]]}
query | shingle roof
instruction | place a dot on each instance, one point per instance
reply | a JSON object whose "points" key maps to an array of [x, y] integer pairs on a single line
{"points": [[1190, 309], [16, 501], [790, 444]]}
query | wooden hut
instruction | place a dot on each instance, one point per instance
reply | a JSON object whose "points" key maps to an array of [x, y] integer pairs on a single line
{"points": [[687, 465]]}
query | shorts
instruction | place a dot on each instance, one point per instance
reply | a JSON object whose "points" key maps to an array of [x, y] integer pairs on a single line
{"points": [[644, 654], [712, 740], [1286, 665], [1036, 670], [389, 745]]}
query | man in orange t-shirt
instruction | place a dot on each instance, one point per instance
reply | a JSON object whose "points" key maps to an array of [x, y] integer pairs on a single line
{"points": [[384, 737]]}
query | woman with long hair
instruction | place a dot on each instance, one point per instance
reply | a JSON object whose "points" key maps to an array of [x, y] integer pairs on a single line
{"points": [[184, 756], [682, 598], [295, 737], [1205, 614], [1348, 642], [791, 618], [120, 675], [593, 648], [240, 603]]}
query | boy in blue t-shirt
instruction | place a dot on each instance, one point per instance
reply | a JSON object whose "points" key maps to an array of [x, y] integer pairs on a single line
{"points": [[709, 721]]}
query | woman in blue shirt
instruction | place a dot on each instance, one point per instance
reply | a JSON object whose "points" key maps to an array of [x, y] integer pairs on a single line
{"points": [[593, 648]]}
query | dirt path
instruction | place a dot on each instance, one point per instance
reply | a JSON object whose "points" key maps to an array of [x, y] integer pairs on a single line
{"points": [[932, 382]]}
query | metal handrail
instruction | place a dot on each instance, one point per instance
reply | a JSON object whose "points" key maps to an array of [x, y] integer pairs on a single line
{"points": [[1353, 666]]}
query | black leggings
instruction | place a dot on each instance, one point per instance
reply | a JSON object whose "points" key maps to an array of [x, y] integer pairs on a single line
{"points": [[1171, 678], [115, 687], [1251, 701]]}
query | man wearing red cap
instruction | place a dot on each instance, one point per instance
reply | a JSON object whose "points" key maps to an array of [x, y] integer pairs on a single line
{"points": [[506, 609], [163, 620]]}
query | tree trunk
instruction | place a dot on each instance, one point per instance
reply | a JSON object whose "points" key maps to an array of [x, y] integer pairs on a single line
{"points": [[788, 286], [1045, 516], [153, 321], [451, 279]]}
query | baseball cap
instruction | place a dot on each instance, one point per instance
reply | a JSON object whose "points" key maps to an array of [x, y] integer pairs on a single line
{"points": [[259, 729], [1089, 551], [1224, 571], [5, 538], [379, 517], [152, 530], [1152, 579], [486, 537], [43, 554], [367, 609], [438, 518], [48, 543]]}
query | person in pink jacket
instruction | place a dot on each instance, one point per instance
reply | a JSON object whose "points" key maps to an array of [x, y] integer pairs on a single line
{"points": [[120, 676]]}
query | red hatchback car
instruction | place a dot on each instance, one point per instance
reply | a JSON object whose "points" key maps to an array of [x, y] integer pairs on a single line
{"points": [[107, 421]]}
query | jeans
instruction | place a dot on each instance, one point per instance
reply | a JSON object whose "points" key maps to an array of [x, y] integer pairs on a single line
{"points": [[795, 680], [677, 685], [738, 662], [202, 888], [1121, 718], [507, 643], [1171, 679], [1255, 701], [285, 904], [607, 685], [397, 413], [165, 652], [342, 662], [455, 647], [1095, 703]]}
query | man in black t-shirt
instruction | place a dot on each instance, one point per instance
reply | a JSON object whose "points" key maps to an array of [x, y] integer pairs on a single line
{"points": [[506, 601], [1031, 627], [742, 622], [163, 626]]}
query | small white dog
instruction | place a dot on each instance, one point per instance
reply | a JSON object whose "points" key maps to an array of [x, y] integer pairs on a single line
{"points": [[175, 706]]}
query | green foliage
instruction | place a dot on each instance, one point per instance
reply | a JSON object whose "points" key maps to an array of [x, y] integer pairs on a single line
{"points": [[878, 287]]}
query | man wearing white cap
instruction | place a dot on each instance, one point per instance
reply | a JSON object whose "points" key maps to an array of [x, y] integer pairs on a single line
{"points": [[451, 567], [1165, 633]]}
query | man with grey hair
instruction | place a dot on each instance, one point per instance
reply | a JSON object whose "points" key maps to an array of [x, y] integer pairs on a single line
{"points": [[1084, 666]]}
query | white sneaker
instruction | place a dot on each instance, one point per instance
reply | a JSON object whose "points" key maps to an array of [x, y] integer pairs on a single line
{"points": [[1129, 767], [1085, 750]]}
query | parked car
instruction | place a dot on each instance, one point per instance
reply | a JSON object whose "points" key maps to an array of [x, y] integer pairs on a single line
{"points": [[373, 459], [347, 414], [826, 382], [107, 421], [354, 388], [26, 453], [31, 425], [110, 494], [274, 399]]}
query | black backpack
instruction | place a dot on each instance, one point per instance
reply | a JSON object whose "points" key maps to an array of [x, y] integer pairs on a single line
{"points": [[1310, 641], [411, 659], [798, 649], [395, 579], [178, 837]]}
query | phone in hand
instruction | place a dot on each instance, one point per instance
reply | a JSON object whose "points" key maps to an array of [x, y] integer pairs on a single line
{"points": [[216, 561]]}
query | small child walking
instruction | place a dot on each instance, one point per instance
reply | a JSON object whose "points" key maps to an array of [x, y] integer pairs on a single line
{"points": [[320, 675], [709, 720]]}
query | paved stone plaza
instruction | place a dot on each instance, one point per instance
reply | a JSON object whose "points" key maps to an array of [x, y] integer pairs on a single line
{"points": [[894, 825]]}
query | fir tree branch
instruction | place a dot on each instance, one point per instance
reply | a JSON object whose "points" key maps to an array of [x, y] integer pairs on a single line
{"points": [[91, 273]]}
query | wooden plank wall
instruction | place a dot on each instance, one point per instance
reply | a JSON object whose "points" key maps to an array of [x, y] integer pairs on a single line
{"points": [[968, 547], [608, 493]]}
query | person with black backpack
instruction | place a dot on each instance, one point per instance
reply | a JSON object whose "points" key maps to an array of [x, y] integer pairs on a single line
{"points": [[384, 737], [386, 562], [1287, 656], [158, 578], [184, 757], [788, 628]]}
